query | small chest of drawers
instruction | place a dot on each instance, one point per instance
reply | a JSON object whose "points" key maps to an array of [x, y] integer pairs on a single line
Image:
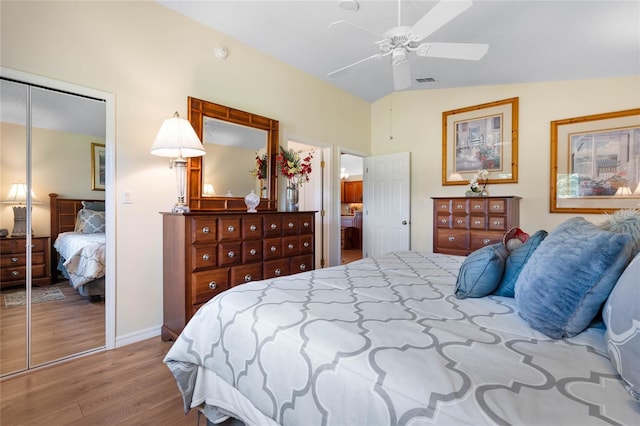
{"points": [[207, 253], [462, 225], [13, 261]]}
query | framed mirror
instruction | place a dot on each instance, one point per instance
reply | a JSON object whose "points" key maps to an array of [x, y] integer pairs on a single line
{"points": [[232, 138]]}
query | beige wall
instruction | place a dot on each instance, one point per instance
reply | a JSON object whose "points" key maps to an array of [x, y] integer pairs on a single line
{"points": [[151, 59], [415, 121]]}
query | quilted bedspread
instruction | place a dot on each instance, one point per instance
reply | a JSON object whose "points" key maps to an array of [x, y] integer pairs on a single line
{"points": [[383, 341], [84, 256]]}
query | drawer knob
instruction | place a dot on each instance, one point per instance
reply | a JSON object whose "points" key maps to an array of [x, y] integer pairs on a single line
{"points": [[495, 206], [274, 226], [477, 206], [290, 246], [205, 230], [443, 206], [14, 273], [247, 278], [443, 220], [273, 249], [306, 224], [231, 228], [231, 253], [212, 285], [303, 266], [459, 221], [291, 224], [252, 252], [277, 272], [477, 222], [459, 206], [206, 257], [496, 222], [14, 260], [486, 241], [253, 228], [451, 238], [306, 244]]}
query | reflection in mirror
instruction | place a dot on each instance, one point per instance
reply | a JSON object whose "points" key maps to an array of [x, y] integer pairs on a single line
{"points": [[234, 139], [230, 159]]}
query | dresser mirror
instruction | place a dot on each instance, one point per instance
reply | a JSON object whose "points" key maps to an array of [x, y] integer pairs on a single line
{"points": [[232, 138]]}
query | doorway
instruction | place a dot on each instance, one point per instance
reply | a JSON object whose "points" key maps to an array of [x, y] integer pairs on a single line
{"points": [[44, 321], [351, 208]]}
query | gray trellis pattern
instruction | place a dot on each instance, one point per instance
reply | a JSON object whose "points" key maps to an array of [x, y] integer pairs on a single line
{"points": [[383, 341]]}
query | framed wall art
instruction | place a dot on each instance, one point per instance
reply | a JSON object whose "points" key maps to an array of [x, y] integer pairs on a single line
{"points": [[595, 163], [481, 137], [98, 167]]}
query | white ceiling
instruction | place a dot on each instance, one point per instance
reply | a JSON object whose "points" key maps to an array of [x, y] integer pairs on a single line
{"points": [[530, 41]]}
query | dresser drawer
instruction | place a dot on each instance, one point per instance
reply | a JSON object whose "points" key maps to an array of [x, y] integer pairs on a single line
{"points": [[243, 274], [272, 248], [290, 224], [497, 206], [251, 251], [301, 264], [228, 228], [251, 227], [19, 273], [272, 225], [482, 239], [497, 223], [207, 284], [275, 268], [203, 230], [443, 206], [21, 259], [477, 205], [459, 206], [290, 246], [19, 245], [477, 222], [306, 243], [204, 256], [229, 253], [459, 221], [443, 220], [305, 223], [453, 239]]}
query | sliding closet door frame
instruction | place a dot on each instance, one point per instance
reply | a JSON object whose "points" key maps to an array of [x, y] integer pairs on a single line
{"points": [[109, 98]]}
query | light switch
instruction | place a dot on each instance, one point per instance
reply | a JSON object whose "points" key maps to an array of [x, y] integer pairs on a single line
{"points": [[127, 197]]}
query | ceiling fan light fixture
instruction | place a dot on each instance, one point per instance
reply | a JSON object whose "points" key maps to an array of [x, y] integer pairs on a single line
{"points": [[399, 56], [350, 6]]}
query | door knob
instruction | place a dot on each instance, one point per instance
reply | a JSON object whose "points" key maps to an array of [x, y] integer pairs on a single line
{"points": [[404, 222]]}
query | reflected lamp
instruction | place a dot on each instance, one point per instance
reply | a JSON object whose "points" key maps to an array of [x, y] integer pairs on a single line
{"points": [[18, 196], [177, 139]]}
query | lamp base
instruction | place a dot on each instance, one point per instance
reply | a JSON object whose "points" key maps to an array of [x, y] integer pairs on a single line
{"points": [[19, 222]]}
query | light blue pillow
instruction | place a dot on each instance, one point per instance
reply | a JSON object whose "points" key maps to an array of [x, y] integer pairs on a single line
{"points": [[515, 262], [481, 271], [570, 275], [622, 316]]}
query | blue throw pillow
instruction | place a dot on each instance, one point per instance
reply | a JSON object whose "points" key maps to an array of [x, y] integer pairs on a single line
{"points": [[564, 284], [515, 262], [481, 271], [622, 316]]}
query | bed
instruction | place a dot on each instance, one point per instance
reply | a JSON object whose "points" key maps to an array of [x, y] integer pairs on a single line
{"points": [[386, 341], [79, 256]]}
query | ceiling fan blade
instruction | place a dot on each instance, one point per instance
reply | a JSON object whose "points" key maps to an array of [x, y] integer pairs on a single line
{"points": [[346, 24], [467, 51], [342, 70], [401, 75], [439, 15]]}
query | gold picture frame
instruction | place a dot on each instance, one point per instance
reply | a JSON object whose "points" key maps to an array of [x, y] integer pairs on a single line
{"points": [[481, 137], [98, 165], [595, 163]]}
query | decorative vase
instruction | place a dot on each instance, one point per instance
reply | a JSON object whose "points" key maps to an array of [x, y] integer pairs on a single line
{"points": [[292, 198], [252, 200]]}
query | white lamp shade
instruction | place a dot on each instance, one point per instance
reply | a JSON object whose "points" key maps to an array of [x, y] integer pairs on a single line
{"points": [[18, 194], [623, 190], [208, 190], [637, 191], [176, 138], [455, 176]]}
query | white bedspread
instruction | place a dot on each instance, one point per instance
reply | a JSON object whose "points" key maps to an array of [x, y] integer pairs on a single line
{"points": [[84, 256], [383, 341]]}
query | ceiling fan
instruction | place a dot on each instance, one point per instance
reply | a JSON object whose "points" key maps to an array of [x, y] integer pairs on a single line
{"points": [[400, 41]]}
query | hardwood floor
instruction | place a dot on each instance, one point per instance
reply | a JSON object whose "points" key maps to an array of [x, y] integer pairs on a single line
{"points": [[125, 386], [350, 255], [59, 329]]}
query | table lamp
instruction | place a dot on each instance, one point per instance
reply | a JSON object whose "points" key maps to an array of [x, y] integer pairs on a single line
{"points": [[18, 195]]}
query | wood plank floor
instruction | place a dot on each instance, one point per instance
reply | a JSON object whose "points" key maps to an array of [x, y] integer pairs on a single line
{"points": [[125, 386]]}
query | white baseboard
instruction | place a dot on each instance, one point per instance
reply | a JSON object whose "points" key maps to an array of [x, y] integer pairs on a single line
{"points": [[137, 336]]}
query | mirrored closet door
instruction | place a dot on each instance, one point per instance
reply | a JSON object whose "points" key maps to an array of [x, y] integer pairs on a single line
{"points": [[51, 305]]}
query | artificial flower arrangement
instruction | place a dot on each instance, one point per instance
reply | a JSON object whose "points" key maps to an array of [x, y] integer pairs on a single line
{"points": [[475, 182], [295, 168], [260, 172]]}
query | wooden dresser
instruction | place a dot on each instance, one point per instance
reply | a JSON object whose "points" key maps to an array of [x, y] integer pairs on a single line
{"points": [[205, 253], [13, 261], [464, 224]]}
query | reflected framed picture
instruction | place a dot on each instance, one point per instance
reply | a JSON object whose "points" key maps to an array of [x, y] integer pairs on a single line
{"points": [[595, 163], [481, 137], [98, 165]]}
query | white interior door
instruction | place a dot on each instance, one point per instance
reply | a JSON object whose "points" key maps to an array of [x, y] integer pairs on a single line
{"points": [[386, 203]]}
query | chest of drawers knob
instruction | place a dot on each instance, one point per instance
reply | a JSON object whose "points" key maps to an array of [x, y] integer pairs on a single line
{"points": [[459, 221], [451, 238], [277, 272], [486, 241], [291, 225], [230, 228], [14, 260], [206, 257], [231, 253], [273, 226], [306, 224], [247, 278], [303, 266], [212, 285], [252, 252], [306, 244], [290, 246], [15, 273], [205, 230], [253, 227]]}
